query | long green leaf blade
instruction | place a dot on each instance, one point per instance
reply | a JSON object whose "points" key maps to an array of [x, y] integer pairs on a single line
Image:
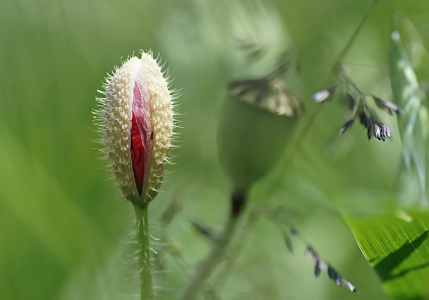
{"points": [[403, 61], [396, 245]]}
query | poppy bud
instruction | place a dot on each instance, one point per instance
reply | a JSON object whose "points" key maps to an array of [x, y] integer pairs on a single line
{"points": [[256, 122], [137, 126]]}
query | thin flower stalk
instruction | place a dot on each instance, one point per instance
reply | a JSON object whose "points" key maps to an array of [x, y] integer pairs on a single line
{"points": [[136, 124]]}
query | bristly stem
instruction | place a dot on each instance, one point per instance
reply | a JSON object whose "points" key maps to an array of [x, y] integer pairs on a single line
{"points": [[145, 270], [206, 267]]}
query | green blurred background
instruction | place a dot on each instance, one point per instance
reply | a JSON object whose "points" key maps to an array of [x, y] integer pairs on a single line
{"points": [[62, 220]]}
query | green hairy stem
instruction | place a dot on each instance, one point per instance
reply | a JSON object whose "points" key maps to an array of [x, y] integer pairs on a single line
{"points": [[145, 270]]}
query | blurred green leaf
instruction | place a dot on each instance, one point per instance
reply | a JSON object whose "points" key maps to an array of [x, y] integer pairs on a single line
{"points": [[396, 246], [42, 206], [406, 55], [413, 46]]}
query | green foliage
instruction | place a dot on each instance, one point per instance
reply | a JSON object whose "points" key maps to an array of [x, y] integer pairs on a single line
{"points": [[396, 246], [395, 243]]}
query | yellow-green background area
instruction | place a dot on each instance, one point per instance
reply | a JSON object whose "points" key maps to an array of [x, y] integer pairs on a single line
{"points": [[62, 221]]}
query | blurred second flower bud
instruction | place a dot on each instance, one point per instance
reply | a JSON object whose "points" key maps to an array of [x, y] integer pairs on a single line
{"points": [[256, 122]]}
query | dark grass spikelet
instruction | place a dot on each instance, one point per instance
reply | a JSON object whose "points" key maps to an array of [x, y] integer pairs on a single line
{"points": [[351, 102], [293, 232], [320, 265], [288, 241], [347, 125], [324, 94], [356, 101], [281, 218], [381, 132], [374, 128], [317, 268], [204, 230], [387, 106]]}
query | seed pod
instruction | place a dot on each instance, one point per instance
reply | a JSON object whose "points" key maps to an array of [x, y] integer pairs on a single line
{"points": [[251, 139], [137, 127]]}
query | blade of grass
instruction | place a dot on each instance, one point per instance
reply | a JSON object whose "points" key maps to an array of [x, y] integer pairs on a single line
{"points": [[40, 204], [396, 245], [413, 123]]}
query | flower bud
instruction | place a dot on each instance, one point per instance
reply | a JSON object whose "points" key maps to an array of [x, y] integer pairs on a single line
{"points": [[136, 119]]}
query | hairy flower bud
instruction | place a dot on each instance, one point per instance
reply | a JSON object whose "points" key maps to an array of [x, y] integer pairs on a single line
{"points": [[136, 119]]}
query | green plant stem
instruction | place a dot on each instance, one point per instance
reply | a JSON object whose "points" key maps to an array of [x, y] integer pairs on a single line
{"points": [[355, 33], [212, 259], [145, 270], [250, 222]]}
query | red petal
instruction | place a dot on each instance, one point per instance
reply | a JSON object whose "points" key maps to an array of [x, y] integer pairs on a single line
{"points": [[139, 149], [137, 155]]}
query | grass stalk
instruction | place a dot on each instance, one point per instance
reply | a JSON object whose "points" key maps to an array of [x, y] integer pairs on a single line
{"points": [[215, 255]]}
